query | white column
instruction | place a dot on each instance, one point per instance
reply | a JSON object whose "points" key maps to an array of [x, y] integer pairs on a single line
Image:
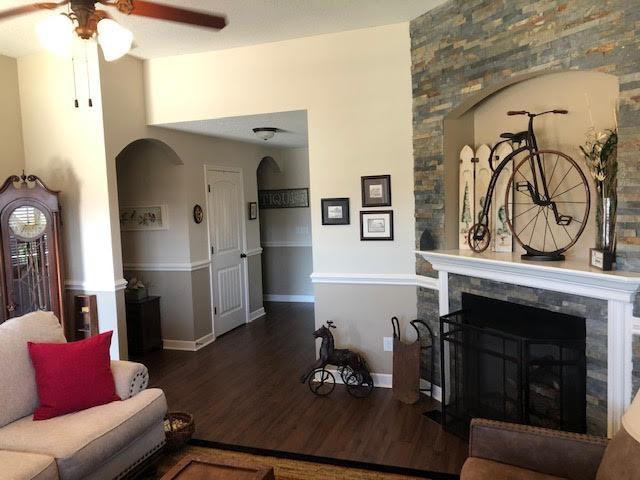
{"points": [[619, 361]]}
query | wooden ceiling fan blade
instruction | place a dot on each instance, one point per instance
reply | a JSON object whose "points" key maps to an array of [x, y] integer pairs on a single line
{"points": [[174, 14], [34, 7]]}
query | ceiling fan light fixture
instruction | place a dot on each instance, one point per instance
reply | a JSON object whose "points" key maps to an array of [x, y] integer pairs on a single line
{"points": [[114, 39], [265, 133], [56, 34]]}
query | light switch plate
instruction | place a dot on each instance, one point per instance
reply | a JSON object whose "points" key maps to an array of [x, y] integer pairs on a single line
{"points": [[387, 343]]}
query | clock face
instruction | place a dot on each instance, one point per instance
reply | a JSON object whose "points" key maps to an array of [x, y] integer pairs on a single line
{"points": [[27, 222]]}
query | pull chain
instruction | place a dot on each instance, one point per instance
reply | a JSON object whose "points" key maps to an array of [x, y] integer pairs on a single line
{"points": [[75, 83], [86, 63]]}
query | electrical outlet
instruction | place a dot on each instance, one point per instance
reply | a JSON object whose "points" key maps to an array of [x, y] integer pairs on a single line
{"points": [[387, 343]]}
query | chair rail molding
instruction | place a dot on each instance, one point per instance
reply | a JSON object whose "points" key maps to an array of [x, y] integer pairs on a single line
{"points": [[167, 266], [89, 286], [619, 289], [409, 279]]}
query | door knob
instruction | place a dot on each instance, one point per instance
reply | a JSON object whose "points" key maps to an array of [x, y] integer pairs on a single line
{"points": [[243, 255]]}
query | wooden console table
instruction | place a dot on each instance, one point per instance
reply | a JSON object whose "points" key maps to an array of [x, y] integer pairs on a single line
{"points": [[191, 468]]}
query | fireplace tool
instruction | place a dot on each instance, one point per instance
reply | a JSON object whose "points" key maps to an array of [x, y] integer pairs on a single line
{"points": [[407, 362]]}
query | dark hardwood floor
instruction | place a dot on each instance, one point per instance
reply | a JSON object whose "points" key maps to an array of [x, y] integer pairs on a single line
{"points": [[244, 389]]}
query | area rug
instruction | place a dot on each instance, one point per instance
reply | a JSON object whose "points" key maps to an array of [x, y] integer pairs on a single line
{"points": [[295, 467]]}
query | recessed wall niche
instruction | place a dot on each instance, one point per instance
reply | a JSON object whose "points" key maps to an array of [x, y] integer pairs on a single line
{"points": [[591, 99]]}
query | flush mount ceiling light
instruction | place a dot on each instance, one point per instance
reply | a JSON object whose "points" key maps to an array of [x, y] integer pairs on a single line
{"points": [[56, 32], [265, 133]]}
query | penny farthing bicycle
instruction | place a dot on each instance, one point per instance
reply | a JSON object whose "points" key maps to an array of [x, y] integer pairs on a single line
{"points": [[547, 198]]}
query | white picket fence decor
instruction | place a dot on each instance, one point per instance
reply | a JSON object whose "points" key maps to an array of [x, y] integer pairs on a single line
{"points": [[475, 175]]}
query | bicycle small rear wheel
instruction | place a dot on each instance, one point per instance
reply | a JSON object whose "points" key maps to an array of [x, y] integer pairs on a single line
{"points": [[552, 224], [479, 237]]}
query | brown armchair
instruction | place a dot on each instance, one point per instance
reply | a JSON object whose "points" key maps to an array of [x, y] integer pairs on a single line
{"points": [[499, 450]]}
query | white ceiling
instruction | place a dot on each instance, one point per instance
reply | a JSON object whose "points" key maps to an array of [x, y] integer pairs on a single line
{"points": [[250, 22], [293, 126]]}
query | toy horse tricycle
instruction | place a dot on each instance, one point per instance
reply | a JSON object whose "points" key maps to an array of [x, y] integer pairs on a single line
{"points": [[351, 367]]}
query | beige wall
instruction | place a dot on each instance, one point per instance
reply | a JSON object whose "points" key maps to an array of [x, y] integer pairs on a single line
{"points": [[356, 88], [362, 316], [146, 174], [12, 158], [590, 98], [65, 147]]}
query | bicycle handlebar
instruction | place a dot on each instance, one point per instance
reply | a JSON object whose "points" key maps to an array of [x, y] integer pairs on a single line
{"points": [[511, 113]]}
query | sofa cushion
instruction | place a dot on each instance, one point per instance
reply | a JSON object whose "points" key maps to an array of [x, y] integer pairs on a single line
{"points": [[27, 466], [621, 459], [72, 376], [82, 441], [481, 469], [18, 394]]}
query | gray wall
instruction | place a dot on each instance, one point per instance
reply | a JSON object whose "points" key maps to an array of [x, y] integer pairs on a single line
{"points": [[287, 258]]}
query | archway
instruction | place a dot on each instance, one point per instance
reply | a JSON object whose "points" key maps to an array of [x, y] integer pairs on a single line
{"points": [[154, 233]]}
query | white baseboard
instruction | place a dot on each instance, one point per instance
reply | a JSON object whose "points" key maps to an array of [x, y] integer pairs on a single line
{"points": [[289, 298], [385, 380], [188, 345], [257, 314]]}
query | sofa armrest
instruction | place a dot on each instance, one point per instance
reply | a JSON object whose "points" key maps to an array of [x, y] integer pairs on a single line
{"points": [[130, 378], [563, 454]]}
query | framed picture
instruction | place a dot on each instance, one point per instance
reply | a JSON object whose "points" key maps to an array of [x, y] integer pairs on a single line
{"points": [[153, 217], [253, 210], [376, 225], [284, 198], [376, 191], [335, 211]]}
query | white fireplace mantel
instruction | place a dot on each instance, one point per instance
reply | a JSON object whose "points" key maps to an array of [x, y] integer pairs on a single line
{"points": [[573, 277]]}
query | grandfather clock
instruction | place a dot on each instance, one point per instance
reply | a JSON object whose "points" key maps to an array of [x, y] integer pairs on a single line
{"points": [[31, 263]]}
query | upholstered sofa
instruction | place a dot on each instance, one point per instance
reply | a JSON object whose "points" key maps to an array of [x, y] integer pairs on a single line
{"points": [[507, 451], [105, 442]]}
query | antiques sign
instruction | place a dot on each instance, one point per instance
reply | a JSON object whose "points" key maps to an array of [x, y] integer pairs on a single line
{"points": [[284, 198]]}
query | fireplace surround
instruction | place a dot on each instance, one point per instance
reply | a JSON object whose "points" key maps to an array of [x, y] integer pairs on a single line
{"points": [[462, 52], [511, 362]]}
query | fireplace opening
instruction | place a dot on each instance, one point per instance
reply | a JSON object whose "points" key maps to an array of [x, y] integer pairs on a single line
{"points": [[512, 362]]}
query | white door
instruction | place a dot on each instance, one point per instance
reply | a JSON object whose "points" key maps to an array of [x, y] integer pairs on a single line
{"points": [[226, 236]]}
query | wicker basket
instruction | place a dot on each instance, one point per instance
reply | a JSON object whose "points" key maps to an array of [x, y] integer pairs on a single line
{"points": [[178, 437]]}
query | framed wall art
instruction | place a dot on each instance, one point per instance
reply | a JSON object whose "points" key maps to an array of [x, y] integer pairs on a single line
{"points": [[376, 191], [253, 210], [376, 225], [284, 198], [335, 211], [152, 217]]}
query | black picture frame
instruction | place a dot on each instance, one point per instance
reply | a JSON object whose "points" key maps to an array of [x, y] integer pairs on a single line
{"points": [[253, 210], [381, 182], [380, 213], [328, 219]]}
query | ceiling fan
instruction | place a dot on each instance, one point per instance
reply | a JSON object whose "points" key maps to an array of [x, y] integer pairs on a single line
{"points": [[88, 22]]}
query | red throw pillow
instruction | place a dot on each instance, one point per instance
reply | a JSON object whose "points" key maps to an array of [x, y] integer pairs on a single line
{"points": [[72, 376]]}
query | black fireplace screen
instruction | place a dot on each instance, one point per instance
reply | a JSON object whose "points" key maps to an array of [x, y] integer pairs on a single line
{"points": [[511, 362]]}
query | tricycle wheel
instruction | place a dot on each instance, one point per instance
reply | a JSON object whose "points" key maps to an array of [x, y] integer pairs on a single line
{"points": [[359, 385], [321, 382]]}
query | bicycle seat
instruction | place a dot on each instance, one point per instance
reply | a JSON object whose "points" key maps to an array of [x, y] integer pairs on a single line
{"points": [[515, 137]]}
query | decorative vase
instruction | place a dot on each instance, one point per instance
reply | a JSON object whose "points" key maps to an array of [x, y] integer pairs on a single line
{"points": [[606, 223]]}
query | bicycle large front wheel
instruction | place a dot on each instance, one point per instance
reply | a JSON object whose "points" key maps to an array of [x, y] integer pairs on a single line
{"points": [[547, 202]]}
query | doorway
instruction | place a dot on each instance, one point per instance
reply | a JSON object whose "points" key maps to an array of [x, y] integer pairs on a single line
{"points": [[227, 248]]}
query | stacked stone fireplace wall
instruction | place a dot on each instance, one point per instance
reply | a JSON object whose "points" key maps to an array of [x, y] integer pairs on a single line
{"points": [[465, 46]]}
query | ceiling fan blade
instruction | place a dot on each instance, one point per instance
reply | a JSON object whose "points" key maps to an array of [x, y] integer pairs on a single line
{"points": [[174, 14], [34, 7]]}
